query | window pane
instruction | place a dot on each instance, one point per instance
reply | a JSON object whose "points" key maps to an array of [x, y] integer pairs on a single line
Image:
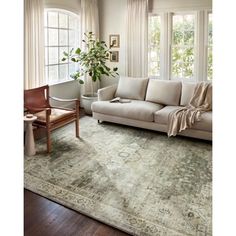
{"points": [[52, 37], [61, 55], [189, 37], [188, 22], [53, 19], [177, 37], [63, 35], [46, 56], [209, 53], [209, 68], [177, 69], [72, 38], [183, 46], [187, 70], [45, 19], [53, 74], [63, 72], [72, 68], [154, 37], [53, 55], [72, 22], [63, 20], [46, 37], [178, 24]]}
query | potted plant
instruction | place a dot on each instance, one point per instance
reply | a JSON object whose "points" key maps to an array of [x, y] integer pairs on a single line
{"points": [[91, 63]]}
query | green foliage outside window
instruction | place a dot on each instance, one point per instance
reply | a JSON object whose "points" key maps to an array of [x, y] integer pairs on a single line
{"points": [[210, 41], [182, 50], [154, 34], [183, 46]]}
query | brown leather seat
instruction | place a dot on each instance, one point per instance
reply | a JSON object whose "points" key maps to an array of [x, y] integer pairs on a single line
{"points": [[36, 101]]}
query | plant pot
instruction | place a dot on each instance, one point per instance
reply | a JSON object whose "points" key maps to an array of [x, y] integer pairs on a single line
{"points": [[87, 100]]}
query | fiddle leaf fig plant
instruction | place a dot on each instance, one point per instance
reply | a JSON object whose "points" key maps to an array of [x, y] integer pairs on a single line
{"points": [[91, 61]]}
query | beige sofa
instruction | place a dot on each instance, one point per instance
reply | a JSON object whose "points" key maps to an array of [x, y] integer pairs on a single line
{"points": [[152, 101]]}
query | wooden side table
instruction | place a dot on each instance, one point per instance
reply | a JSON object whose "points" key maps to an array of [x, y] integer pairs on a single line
{"points": [[29, 136]]}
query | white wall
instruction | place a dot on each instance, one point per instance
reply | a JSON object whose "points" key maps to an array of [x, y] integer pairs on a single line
{"points": [[112, 19], [162, 5], [70, 5], [67, 89]]}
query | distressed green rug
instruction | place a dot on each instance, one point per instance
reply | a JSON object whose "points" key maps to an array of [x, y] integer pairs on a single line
{"points": [[136, 180]]}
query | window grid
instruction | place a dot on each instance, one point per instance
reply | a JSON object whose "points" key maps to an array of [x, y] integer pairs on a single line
{"points": [[61, 74], [183, 44], [209, 48], [200, 59], [154, 46]]}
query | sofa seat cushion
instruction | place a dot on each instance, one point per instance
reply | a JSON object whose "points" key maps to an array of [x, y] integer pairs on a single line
{"points": [[137, 110], [205, 122], [132, 88], [164, 92], [161, 116]]}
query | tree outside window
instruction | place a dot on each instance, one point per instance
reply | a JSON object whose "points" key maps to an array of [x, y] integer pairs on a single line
{"points": [[154, 32], [182, 50], [209, 51]]}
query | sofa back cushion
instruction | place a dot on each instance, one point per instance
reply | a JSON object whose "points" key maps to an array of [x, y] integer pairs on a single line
{"points": [[187, 93], [164, 92], [132, 88]]}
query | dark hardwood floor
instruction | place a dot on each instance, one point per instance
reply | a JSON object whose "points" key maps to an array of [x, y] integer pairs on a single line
{"points": [[43, 217]]}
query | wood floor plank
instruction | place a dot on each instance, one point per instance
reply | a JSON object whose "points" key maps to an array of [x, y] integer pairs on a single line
{"points": [[43, 217]]}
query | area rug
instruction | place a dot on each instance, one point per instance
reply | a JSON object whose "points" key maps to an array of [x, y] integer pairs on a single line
{"points": [[136, 180]]}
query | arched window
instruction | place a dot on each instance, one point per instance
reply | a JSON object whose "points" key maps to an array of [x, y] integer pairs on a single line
{"points": [[61, 35]]}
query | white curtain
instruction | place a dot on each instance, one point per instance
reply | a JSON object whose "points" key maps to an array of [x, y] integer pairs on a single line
{"points": [[33, 43], [89, 23], [137, 38]]}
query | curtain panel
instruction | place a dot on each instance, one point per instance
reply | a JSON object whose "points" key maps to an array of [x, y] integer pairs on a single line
{"points": [[137, 38], [33, 44], [89, 23]]}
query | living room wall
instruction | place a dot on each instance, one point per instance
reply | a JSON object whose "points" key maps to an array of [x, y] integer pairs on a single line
{"points": [[112, 19], [67, 89]]}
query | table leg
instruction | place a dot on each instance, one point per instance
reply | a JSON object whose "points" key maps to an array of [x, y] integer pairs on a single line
{"points": [[29, 140]]}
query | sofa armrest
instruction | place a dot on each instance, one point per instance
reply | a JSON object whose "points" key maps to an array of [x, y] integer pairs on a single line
{"points": [[107, 93]]}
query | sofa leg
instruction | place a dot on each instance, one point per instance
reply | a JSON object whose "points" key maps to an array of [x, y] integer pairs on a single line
{"points": [[99, 121]]}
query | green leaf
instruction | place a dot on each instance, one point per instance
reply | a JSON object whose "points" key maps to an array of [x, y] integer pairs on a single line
{"points": [[63, 59], [115, 69], [78, 51], [65, 54], [81, 81]]}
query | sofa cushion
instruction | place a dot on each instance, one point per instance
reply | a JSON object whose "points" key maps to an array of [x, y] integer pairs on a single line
{"points": [[187, 93], [161, 116], [132, 88], [164, 92], [137, 110], [205, 122]]}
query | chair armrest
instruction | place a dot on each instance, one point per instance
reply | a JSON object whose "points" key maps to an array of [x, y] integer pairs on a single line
{"points": [[107, 93], [64, 100]]}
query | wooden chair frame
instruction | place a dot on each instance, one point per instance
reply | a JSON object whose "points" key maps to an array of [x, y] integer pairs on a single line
{"points": [[34, 104]]}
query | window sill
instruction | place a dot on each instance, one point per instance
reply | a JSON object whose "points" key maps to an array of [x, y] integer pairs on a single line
{"points": [[60, 82]]}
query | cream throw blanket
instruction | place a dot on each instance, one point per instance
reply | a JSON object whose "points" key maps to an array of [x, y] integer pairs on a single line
{"points": [[185, 117]]}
